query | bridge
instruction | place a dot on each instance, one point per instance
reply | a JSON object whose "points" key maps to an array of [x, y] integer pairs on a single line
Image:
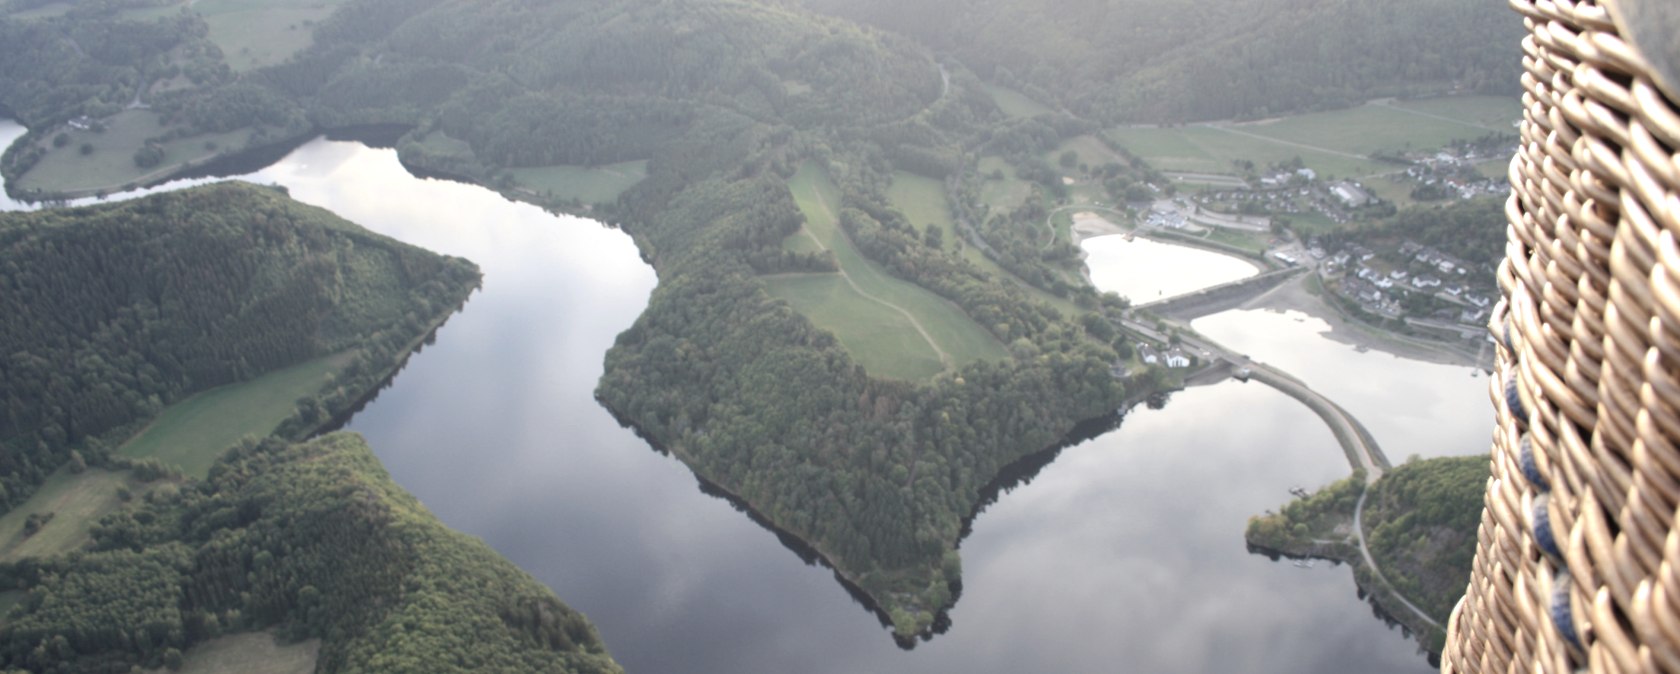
{"points": [[1222, 297], [1361, 448]]}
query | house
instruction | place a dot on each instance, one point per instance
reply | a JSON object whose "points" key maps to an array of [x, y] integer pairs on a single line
{"points": [[1350, 194], [1307, 173], [1177, 359], [1147, 354]]}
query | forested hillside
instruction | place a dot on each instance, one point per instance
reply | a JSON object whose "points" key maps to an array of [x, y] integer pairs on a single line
{"points": [[313, 539], [1421, 522], [1187, 60], [726, 101], [112, 312]]}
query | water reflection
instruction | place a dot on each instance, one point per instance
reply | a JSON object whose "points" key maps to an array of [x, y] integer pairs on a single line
{"points": [[1146, 270], [1410, 406], [1124, 553]]}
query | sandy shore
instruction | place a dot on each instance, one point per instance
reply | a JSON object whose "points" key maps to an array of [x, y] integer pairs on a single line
{"points": [[1088, 225], [1294, 296]]}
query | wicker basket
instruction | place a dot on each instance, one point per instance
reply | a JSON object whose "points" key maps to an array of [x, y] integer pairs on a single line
{"points": [[1578, 556]]}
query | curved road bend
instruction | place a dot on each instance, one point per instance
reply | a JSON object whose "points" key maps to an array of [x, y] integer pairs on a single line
{"points": [[1359, 529]]}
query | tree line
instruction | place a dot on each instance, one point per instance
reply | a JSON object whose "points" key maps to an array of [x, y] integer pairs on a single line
{"points": [[313, 540], [113, 312]]}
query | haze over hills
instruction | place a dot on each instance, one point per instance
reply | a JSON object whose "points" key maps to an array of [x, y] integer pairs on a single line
{"points": [[1189, 60], [779, 150]]}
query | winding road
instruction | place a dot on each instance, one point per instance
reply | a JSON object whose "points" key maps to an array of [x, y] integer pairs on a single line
{"points": [[1359, 530]]}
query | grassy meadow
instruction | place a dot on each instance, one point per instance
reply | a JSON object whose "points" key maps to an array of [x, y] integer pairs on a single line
{"points": [[1006, 193], [1014, 103], [109, 166], [892, 345], [1333, 143], [597, 185], [884, 298], [191, 434], [249, 653], [253, 33], [76, 502]]}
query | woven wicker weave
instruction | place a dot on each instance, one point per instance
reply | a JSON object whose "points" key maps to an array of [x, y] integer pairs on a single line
{"points": [[1578, 556]]}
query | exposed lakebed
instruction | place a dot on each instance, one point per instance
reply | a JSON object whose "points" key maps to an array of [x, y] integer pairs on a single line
{"points": [[1125, 553]]}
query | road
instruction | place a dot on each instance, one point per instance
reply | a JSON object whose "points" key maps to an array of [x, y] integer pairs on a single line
{"points": [[1371, 562]]}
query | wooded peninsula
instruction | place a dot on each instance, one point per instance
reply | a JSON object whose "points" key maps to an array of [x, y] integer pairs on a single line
{"points": [[779, 147]]}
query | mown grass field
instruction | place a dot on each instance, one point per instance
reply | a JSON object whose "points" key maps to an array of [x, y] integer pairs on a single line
{"points": [[892, 345], [76, 501], [193, 433], [1334, 143], [110, 166], [249, 653], [1494, 112], [598, 185], [953, 331], [1208, 149], [1014, 103], [1375, 127]]}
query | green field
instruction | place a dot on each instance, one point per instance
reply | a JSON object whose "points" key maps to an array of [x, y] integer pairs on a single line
{"points": [[597, 185], [1211, 149], [76, 502], [1334, 143], [1090, 149], [1496, 113], [1014, 103], [252, 33], [193, 433], [892, 345], [922, 201], [961, 339], [1374, 127], [110, 167], [249, 653], [1006, 194], [1495, 169]]}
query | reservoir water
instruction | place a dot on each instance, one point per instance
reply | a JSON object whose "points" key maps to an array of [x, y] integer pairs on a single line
{"points": [[1125, 553], [1144, 271]]}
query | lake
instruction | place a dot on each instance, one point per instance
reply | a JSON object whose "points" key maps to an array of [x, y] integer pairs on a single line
{"points": [[1145, 271], [1125, 553]]}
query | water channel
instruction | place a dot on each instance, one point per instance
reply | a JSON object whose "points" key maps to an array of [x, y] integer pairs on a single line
{"points": [[1123, 554]]}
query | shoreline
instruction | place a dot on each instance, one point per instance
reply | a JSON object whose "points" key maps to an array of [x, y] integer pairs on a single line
{"points": [[1294, 296]]}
